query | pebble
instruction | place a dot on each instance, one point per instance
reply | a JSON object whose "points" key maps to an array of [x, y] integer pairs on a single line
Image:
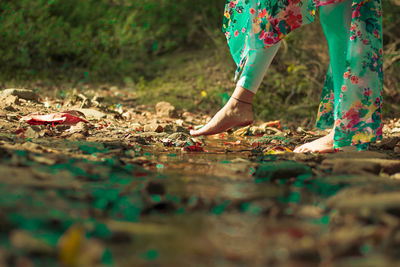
{"points": [[21, 93], [153, 128], [363, 165], [9, 100], [165, 109], [371, 202], [281, 170], [92, 113], [23, 240], [12, 117], [31, 133], [189, 117]]}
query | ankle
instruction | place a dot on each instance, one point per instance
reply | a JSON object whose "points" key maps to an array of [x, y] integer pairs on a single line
{"points": [[242, 101], [243, 94]]}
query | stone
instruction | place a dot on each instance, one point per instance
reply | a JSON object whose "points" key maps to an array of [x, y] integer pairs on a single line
{"points": [[92, 113], [12, 117], [362, 165], [180, 136], [31, 133], [21, 93], [388, 143], [180, 129], [155, 188], [171, 128], [23, 240], [129, 115], [153, 128], [344, 166], [10, 100], [80, 128], [281, 170], [368, 203], [10, 108], [168, 128], [396, 176], [165, 109], [136, 127], [189, 117], [357, 155]]}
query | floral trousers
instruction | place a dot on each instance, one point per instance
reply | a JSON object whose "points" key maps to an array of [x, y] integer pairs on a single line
{"points": [[351, 105]]}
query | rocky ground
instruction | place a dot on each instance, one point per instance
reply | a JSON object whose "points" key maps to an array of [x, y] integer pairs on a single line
{"points": [[101, 181]]}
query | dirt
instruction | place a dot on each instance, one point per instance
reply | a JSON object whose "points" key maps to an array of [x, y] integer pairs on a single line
{"points": [[126, 185]]}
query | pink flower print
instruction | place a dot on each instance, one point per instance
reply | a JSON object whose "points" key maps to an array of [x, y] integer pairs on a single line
{"points": [[352, 117], [268, 37], [369, 120], [236, 33], [353, 37], [379, 130], [358, 33], [354, 79], [293, 16], [346, 75], [376, 34], [232, 5], [367, 92], [356, 13], [243, 30], [377, 102], [252, 11], [262, 13], [261, 36], [365, 41], [344, 88]]}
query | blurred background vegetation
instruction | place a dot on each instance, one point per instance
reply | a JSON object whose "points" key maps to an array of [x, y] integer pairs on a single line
{"points": [[170, 50]]}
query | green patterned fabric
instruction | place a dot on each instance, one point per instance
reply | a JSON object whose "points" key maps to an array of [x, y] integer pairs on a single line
{"points": [[253, 25]]}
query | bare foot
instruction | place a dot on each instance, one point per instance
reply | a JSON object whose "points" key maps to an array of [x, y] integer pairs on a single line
{"points": [[234, 113], [321, 145]]}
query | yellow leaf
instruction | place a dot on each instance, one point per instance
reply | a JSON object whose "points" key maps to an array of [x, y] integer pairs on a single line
{"points": [[70, 245]]}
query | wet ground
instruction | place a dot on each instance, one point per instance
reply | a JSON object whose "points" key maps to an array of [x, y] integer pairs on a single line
{"points": [[132, 188]]}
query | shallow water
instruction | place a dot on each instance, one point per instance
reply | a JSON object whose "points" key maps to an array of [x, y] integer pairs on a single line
{"points": [[230, 204]]}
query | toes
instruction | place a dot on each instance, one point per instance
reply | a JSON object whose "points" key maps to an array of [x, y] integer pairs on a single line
{"points": [[194, 133], [302, 149], [299, 149]]}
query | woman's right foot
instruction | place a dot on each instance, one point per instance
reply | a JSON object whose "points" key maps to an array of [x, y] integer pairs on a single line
{"points": [[235, 113]]}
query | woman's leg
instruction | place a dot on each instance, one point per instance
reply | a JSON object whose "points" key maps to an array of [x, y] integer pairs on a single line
{"points": [[238, 111], [335, 21]]}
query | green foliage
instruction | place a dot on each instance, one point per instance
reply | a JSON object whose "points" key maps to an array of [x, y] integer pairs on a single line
{"points": [[106, 38]]}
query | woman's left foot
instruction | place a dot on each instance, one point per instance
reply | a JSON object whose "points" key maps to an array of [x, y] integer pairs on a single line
{"points": [[321, 145], [235, 113]]}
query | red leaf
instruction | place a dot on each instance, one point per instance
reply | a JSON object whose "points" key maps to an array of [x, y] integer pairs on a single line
{"points": [[53, 119]]}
